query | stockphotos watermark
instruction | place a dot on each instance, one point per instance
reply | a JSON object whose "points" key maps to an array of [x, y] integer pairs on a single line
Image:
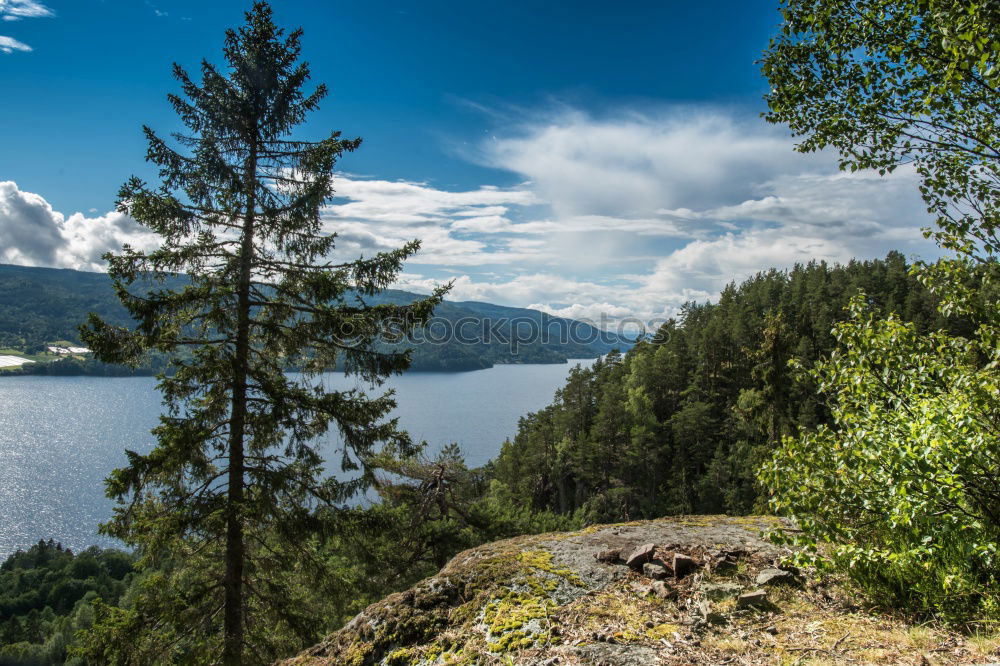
{"points": [[514, 333]]}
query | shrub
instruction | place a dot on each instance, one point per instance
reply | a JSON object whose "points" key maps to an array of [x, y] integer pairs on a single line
{"points": [[903, 491]]}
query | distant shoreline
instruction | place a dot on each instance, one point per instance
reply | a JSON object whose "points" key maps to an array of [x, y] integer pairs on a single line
{"points": [[118, 372]]}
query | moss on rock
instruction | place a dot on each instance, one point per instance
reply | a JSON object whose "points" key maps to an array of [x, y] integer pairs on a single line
{"points": [[526, 600]]}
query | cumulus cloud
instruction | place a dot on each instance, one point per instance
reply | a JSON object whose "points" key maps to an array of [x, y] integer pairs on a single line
{"points": [[732, 194], [678, 203], [613, 305], [631, 164], [848, 201], [30, 231], [522, 290], [796, 218], [483, 226], [599, 312], [33, 234], [631, 214], [706, 266]]}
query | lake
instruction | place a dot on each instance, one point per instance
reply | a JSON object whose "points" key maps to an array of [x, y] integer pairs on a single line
{"points": [[61, 436]]}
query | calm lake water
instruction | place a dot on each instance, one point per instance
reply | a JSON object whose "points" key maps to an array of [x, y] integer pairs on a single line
{"points": [[60, 436]]}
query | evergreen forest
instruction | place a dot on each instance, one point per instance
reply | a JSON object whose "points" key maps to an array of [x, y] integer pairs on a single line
{"points": [[681, 423]]}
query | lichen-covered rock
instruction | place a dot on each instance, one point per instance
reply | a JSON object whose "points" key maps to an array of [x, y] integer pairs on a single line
{"points": [[547, 599], [609, 556], [654, 571], [722, 590], [525, 597], [755, 599]]}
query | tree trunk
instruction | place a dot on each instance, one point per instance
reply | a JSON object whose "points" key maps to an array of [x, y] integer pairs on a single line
{"points": [[235, 550]]}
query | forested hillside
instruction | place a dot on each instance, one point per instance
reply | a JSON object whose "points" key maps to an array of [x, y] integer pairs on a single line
{"points": [[39, 305], [682, 423], [45, 598]]}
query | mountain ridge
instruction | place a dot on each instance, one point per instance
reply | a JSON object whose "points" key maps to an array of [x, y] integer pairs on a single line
{"points": [[40, 305]]}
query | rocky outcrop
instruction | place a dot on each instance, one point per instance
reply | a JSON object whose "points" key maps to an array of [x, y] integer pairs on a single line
{"points": [[687, 590]]}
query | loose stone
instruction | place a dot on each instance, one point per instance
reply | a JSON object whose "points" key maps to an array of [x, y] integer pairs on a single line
{"points": [[609, 556], [640, 555], [683, 565], [754, 599], [663, 590], [770, 577], [654, 571]]}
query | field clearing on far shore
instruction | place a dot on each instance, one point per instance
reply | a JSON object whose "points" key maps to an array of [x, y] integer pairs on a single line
{"points": [[13, 358], [10, 361]]}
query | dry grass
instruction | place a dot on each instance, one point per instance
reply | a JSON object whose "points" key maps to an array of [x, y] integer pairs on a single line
{"points": [[816, 628], [985, 644]]}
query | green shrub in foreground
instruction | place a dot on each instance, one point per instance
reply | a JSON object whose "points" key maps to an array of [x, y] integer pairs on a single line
{"points": [[903, 491]]}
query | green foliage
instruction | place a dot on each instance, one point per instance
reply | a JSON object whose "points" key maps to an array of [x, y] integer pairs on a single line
{"points": [[160, 618], [681, 423], [428, 510], [46, 594], [903, 487], [899, 82], [39, 305]]}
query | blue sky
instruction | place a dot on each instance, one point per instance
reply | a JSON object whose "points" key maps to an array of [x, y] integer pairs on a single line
{"points": [[580, 157]]}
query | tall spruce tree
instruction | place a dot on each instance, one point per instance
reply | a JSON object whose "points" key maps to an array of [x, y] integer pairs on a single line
{"points": [[238, 210]]}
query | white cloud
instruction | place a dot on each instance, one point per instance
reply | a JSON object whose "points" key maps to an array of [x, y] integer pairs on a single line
{"points": [[88, 238], [636, 214], [159, 13], [33, 234], [15, 10], [734, 195], [9, 45], [797, 218], [581, 224], [632, 164], [605, 305], [29, 228], [483, 210], [825, 200], [482, 223], [519, 290], [594, 312], [487, 225], [402, 202], [693, 198], [373, 214]]}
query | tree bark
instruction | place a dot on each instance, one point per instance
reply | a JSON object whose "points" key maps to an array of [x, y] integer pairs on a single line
{"points": [[235, 549]]}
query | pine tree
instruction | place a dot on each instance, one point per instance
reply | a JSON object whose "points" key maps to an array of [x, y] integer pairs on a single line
{"points": [[238, 210]]}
